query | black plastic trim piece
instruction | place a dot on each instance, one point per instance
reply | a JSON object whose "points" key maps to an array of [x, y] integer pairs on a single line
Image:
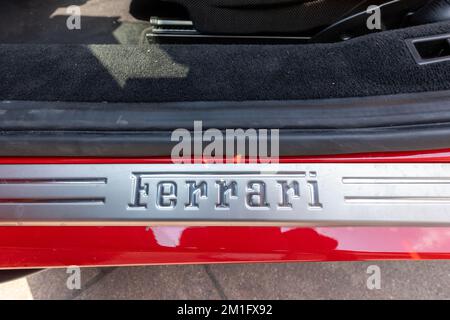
{"points": [[342, 113], [292, 142], [311, 127], [439, 46]]}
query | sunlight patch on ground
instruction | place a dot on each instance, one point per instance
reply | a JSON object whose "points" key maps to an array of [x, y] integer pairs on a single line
{"points": [[15, 290]]}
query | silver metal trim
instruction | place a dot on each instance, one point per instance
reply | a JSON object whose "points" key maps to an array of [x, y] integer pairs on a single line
{"points": [[160, 33], [171, 28], [375, 200], [395, 180], [223, 194], [155, 21]]}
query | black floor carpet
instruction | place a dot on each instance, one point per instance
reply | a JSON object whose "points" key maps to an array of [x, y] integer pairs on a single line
{"points": [[378, 64]]}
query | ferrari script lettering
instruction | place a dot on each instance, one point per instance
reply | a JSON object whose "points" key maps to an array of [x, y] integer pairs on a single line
{"points": [[216, 192]]}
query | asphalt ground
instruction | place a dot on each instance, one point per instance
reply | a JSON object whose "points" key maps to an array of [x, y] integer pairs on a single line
{"points": [[343, 280]]}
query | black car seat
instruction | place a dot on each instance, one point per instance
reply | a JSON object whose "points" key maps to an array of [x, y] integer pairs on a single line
{"points": [[274, 16]]}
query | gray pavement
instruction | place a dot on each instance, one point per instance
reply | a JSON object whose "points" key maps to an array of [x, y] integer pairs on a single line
{"points": [[399, 280]]}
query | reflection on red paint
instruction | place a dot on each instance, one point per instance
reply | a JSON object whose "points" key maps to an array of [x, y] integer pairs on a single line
{"points": [[63, 246]]}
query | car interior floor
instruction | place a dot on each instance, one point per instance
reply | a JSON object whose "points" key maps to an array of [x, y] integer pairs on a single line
{"points": [[110, 60]]}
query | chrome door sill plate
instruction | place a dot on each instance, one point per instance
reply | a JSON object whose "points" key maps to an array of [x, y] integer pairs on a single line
{"points": [[223, 194]]}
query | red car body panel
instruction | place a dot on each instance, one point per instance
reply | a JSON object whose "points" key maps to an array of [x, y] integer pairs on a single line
{"points": [[30, 247]]}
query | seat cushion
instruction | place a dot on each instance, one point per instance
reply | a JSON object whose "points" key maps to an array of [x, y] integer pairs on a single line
{"points": [[271, 16], [265, 16]]}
